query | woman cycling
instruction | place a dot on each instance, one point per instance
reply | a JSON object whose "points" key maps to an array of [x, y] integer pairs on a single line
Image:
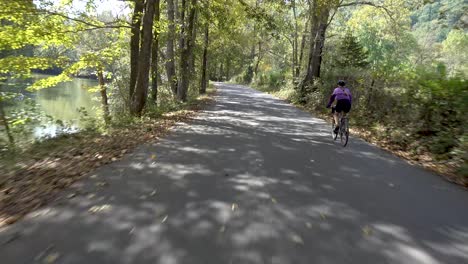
{"points": [[343, 98]]}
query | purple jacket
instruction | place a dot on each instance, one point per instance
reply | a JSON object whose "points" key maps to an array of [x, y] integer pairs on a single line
{"points": [[340, 94]]}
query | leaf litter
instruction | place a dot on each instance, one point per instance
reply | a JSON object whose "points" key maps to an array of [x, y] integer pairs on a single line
{"points": [[42, 173]]}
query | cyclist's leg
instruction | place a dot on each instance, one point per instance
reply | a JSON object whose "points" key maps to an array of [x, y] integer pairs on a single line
{"points": [[346, 110], [336, 116]]}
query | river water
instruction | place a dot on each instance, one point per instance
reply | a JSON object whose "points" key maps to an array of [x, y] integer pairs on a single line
{"points": [[60, 103]]}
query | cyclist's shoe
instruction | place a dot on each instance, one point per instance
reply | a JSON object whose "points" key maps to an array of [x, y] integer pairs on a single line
{"points": [[337, 128]]}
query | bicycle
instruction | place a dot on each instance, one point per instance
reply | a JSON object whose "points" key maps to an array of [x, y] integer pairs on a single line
{"points": [[343, 130]]}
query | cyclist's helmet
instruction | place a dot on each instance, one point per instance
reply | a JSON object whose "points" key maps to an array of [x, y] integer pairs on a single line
{"points": [[341, 83]]}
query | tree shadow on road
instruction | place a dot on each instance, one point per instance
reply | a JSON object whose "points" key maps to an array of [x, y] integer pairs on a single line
{"points": [[252, 180]]}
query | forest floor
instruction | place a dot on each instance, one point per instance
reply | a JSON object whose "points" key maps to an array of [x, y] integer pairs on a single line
{"points": [[32, 178]]}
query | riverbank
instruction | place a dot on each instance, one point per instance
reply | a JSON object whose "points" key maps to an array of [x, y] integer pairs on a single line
{"points": [[32, 178]]}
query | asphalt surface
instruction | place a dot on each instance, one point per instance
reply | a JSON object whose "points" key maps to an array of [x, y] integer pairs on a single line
{"points": [[251, 180]]}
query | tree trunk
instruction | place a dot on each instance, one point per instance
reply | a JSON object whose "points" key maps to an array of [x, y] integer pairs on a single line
{"points": [[228, 69], [204, 79], [170, 61], [194, 42], [154, 54], [182, 25], [259, 58], [295, 69], [141, 88], [135, 45], [4, 120], [301, 51], [103, 92], [221, 71], [369, 95], [185, 55], [318, 48], [308, 79], [317, 34]]}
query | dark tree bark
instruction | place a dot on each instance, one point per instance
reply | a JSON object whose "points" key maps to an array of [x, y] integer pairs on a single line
{"points": [[221, 71], [295, 45], [135, 44], [228, 69], [141, 88], [103, 92], [301, 51], [170, 60], [183, 84], [4, 120], [194, 41], [204, 79], [317, 36], [154, 54], [316, 61], [259, 58], [182, 24]]}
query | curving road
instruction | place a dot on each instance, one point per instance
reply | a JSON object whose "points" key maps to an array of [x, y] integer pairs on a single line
{"points": [[252, 180]]}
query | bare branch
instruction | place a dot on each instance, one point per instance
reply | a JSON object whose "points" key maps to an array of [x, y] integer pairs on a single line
{"points": [[105, 25], [53, 13], [389, 13]]}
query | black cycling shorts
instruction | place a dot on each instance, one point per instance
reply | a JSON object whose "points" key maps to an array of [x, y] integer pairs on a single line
{"points": [[343, 106]]}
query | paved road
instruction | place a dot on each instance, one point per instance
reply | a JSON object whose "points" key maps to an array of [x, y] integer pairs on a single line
{"points": [[252, 180]]}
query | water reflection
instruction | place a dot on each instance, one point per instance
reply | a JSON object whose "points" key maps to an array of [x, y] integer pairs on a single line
{"points": [[61, 102]]}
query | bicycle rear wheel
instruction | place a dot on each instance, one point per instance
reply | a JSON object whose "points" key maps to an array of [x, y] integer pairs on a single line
{"points": [[334, 135], [344, 132]]}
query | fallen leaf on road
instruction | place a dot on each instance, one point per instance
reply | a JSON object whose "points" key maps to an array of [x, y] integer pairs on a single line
{"points": [[97, 208], [234, 206], [273, 200], [323, 216], [42, 254], [164, 219], [102, 184], [297, 239], [367, 230], [153, 156], [51, 258]]}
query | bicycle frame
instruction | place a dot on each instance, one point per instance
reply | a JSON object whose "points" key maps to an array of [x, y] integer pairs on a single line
{"points": [[343, 132]]}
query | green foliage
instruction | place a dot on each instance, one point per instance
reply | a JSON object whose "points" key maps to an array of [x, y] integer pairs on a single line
{"points": [[455, 52], [438, 18], [351, 53], [272, 79]]}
